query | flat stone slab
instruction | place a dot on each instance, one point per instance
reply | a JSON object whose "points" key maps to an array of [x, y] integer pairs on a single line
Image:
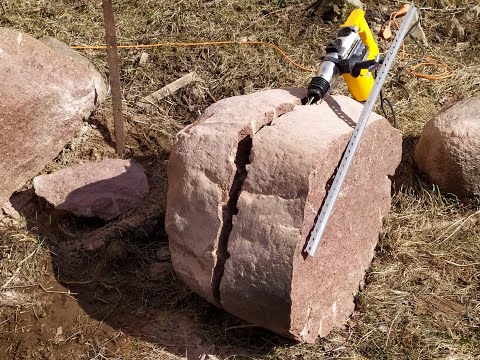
{"points": [[104, 189], [239, 212]]}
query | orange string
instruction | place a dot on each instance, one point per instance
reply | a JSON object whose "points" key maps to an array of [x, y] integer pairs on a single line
{"points": [[444, 72], [178, 44]]}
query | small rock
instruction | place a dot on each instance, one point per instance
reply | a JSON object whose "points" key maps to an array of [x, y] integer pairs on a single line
{"points": [[383, 329], [462, 46], [143, 59], [10, 211], [104, 189], [122, 342], [116, 250], [158, 270], [448, 151], [59, 337]]}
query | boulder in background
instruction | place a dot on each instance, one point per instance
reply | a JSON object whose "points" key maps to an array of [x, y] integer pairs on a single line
{"points": [[448, 151]]}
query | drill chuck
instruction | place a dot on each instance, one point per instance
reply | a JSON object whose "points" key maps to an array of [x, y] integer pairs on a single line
{"points": [[318, 88]]}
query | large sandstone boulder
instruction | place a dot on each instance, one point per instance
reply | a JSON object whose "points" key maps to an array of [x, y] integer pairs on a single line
{"points": [[60, 47], [104, 189], [45, 95], [245, 185], [448, 151]]}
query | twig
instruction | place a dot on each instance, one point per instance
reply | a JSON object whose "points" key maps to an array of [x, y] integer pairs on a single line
{"points": [[167, 90], [20, 286], [19, 267], [390, 328], [460, 226], [462, 265], [454, 10], [67, 293], [241, 327]]}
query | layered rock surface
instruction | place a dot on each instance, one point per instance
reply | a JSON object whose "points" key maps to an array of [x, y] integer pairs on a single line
{"points": [[448, 151], [245, 185], [45, 95]]}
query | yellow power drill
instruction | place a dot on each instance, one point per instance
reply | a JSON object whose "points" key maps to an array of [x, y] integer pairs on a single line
{"points": [[354, 55]]}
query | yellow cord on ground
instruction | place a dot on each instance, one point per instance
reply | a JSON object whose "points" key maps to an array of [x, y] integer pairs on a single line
{"points": [[429, 61], [444, 72], [179, 44]]}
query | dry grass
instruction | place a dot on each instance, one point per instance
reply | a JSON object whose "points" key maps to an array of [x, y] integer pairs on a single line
{"points": [[421, 298]]}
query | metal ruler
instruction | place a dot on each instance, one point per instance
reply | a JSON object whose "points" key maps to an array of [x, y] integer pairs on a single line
{"points": [[332, 196]]}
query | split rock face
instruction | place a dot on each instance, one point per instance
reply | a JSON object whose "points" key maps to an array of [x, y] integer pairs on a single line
{"points": [[246, 183], [448, 151]]}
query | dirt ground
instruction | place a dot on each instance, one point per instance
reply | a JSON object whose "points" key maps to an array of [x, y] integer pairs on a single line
{"points": [[76, 288]]}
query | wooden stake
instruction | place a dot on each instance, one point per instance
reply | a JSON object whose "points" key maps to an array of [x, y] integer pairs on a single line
{"points": [[114, 74]]}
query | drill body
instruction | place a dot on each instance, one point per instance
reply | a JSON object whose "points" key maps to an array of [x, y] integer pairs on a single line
{"points": [[353, 55]]}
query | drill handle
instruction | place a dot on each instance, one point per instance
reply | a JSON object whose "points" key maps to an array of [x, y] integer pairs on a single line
{"points": [[370, 65], [357, 19], [361, 85]]}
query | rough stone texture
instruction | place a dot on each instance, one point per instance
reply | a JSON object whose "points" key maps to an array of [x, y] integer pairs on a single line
{"points": [[102, 189], [201, 173], [264, 276], [62, 48], [45, 95], [448, 151]]}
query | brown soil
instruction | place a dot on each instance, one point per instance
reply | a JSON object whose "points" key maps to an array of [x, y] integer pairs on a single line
{"points": [[75, 288]]}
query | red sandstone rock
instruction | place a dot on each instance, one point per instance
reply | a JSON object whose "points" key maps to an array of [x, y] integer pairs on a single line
{"points": [[201, 172], [45, 95], [448, 151], [64, 49], [102, 189], [264, 277]]}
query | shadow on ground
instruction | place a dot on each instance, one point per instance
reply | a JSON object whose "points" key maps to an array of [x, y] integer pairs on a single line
{"points": [[406, 175], [120, 274]]}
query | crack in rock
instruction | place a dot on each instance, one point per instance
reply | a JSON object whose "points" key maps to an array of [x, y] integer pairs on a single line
{"points": [[229, 210]]}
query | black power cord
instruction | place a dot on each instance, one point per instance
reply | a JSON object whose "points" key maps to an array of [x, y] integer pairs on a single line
{"points": [[383, 101]]}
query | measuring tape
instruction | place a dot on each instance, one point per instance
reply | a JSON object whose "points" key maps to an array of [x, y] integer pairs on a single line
{"points": [[327, 208]]}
